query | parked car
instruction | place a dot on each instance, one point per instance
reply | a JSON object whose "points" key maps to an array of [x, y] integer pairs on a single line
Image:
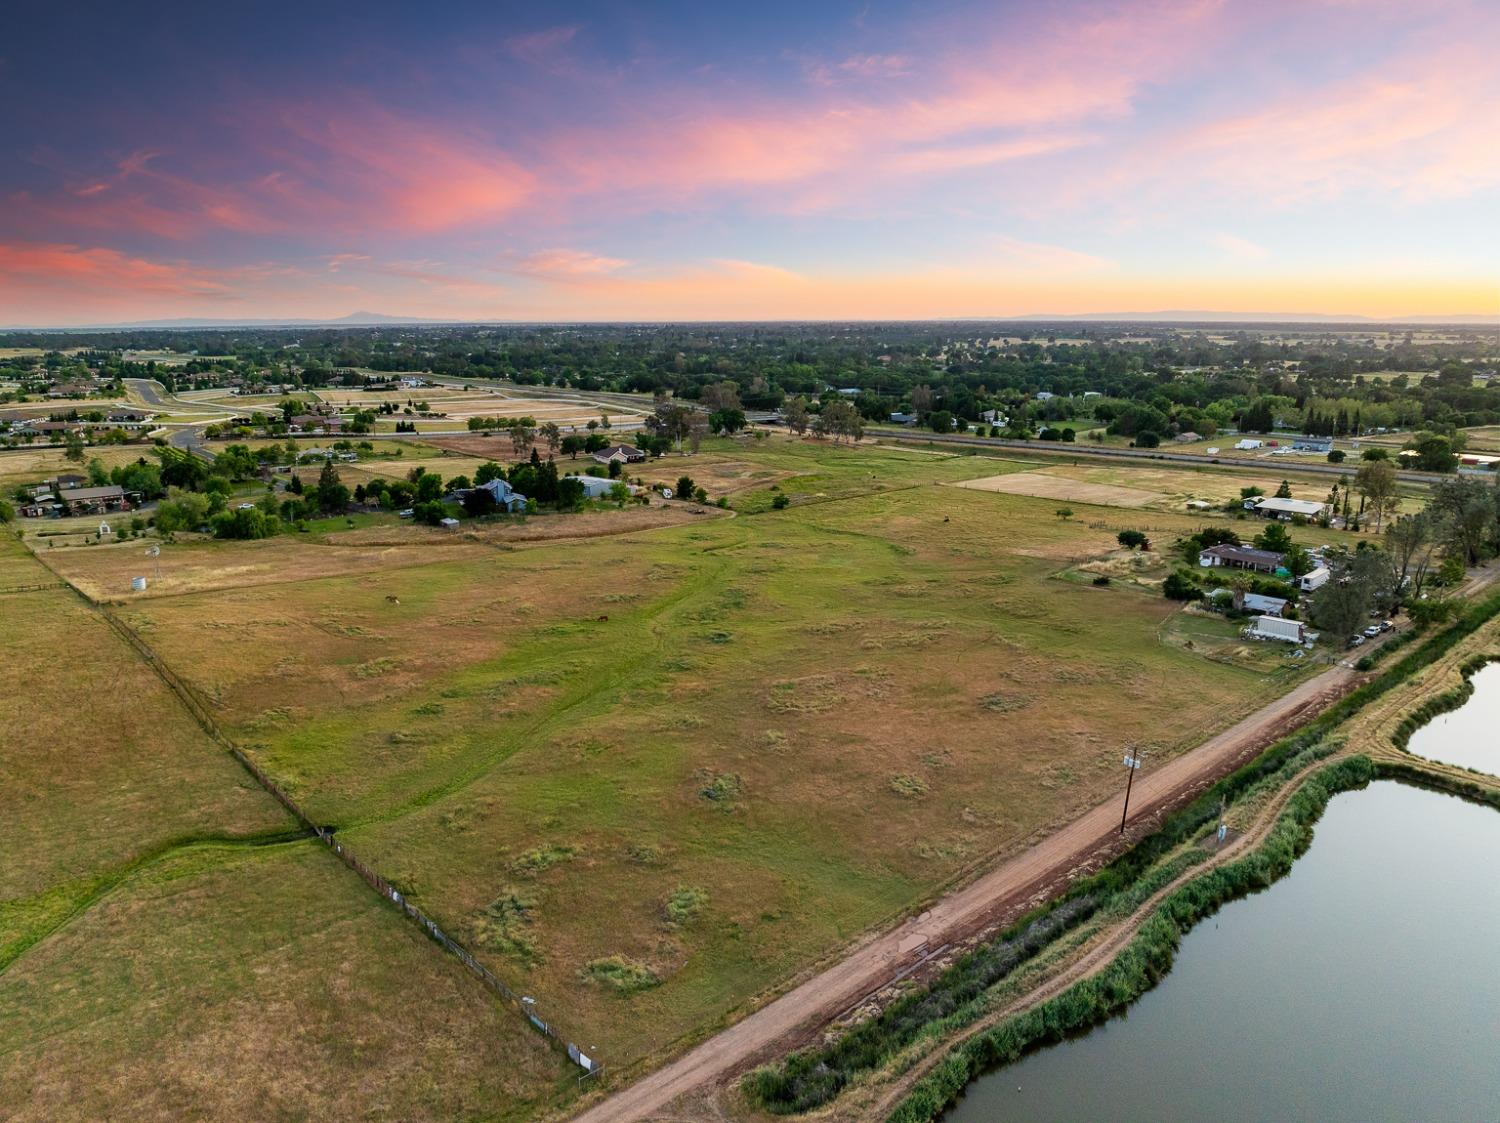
{"points": [[406, 514], [1356, 641], [1372, 631], [1387, 625]]}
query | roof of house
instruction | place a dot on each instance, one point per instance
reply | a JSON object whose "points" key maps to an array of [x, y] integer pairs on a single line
{"points": [[1291, 506], [620, 450], [1246, 555], [1261, 603], [84, 494]]}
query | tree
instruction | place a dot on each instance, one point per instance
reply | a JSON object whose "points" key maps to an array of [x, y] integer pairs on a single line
{"points": [[1133, 540], [488, 471], [1359, 580], [1434, 452], [796, 415], [7, 511], [73, 442], [431, 512], [1179, 585], [1374, 454], [248, 523], [727, 420], [1467, 508], [780, 503], [1274, 537], [1336, 456], [1411, 542], [181, 510], [429, 487], [1376, 483], [720, 397], [940, 421], [552, 434], [479, 502], [684, 488], [1285, 490], [522, 434], [332, 496], [572, 444], [1064, 513]]}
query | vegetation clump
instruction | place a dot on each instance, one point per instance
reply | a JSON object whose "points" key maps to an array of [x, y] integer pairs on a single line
{"points": [[623, 976]]}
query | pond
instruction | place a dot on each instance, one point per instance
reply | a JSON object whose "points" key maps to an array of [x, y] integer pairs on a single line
{"points": [[1466, 736], [1363, 986]]}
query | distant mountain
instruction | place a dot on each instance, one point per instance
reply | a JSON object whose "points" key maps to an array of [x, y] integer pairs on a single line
{"points": [[1201, 316]]}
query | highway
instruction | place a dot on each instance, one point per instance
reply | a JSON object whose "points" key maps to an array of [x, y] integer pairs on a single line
{"points": [[1084, 451]]}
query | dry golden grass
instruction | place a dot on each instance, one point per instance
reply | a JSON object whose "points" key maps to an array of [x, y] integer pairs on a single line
{"points": [[1044, 485], [270, 985]]}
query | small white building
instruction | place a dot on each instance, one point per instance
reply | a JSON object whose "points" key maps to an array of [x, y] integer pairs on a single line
{"points": [[1045, 395], [1313, 579], [1245, 444], [1274, 627], [1270, 507], [595, 487]]}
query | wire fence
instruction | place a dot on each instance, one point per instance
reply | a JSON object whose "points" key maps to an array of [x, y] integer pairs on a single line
{"points": [[524, 1004]]}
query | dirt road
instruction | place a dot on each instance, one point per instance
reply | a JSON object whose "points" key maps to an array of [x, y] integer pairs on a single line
{"points": [[1006, 888]]}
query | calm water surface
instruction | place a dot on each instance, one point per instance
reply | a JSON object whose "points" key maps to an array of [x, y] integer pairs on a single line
{"points": [[1363, 987], [1470, 735]]}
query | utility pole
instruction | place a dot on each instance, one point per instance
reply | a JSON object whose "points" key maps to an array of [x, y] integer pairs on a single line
{"points": [[1132, 762]]}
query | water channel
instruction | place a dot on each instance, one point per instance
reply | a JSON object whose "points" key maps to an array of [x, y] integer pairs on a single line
{"points": [[1364, 986]]}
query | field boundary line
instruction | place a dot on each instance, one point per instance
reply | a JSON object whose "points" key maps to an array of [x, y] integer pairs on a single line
{"points": [[523, 1005]]}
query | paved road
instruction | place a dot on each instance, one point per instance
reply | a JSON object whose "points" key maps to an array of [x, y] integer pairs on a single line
{"points": [[1084, 451], [873, 963]]}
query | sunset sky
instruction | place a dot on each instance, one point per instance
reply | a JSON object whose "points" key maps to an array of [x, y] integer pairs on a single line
{"points": [[748, 161]]}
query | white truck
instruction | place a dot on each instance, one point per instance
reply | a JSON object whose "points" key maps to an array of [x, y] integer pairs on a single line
{"points": [[1274, 627]]}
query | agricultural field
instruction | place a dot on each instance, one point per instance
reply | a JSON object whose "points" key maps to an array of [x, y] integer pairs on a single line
{"points": [[34, 463], [1156, 489], [650, 774], [168, 946]]}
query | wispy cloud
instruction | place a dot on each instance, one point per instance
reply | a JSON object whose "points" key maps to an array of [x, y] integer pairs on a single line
{"points": [[1238, 247]]}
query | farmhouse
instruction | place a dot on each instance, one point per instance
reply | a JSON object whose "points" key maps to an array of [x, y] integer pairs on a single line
{"points": [[94, 500], [1273, 508], [620, 454], [504, 495], [1240, 557]]}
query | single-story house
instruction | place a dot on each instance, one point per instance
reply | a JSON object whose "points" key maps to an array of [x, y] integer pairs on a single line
{"points": [[992, 417], [594, 487], [504, 495], [314, 422], [1313, 444], [1270, 507], [94, 500], [126, 415], [620, 454], [1266, 606], [1240, 557], [899, 418], [1187, 438]]}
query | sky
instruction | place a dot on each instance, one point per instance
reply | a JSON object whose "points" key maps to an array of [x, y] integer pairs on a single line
{"points": [[775, 160]]}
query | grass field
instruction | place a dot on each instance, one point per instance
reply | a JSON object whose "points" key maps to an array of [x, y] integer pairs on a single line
{"points": [[164, 956], [649, 775]]}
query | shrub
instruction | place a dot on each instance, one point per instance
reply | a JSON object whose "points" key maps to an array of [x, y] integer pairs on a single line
{"points": [[1180, 585], [684, 905], [780, 503], [624, 976]]}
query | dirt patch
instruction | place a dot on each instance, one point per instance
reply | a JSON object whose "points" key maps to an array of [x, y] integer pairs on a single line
{"points": [[1045, 486]]}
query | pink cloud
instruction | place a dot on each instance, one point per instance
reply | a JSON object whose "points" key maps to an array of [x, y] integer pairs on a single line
{"points": [[567, 264]]}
